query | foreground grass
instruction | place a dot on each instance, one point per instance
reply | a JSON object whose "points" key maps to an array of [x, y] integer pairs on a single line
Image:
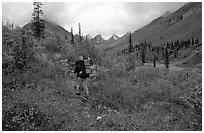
{"points": [[145, 99], [156, 99]]}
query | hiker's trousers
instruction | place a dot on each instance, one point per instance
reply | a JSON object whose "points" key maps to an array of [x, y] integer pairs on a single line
{"points": [[83, 83]]}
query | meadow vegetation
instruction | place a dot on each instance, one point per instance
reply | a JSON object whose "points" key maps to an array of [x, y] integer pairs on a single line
{"points": [[124, 96]]}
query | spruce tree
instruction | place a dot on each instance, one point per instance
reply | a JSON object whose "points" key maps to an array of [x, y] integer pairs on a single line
{"points": [[72, 36], [178, 44], [175, 53], [192, 41], [163, 51], [166, 57], [143, 50], [189, 43], [149, 50], [197, 40], [37, 22], [157, 51], [172, 47], [130, 44], [80, 39], [154, 59]]}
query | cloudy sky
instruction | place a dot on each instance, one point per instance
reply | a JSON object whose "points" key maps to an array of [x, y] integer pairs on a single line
{"points": [[95, 18]]}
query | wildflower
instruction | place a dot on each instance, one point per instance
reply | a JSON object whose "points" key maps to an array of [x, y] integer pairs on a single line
{"points": [[98, 118]]}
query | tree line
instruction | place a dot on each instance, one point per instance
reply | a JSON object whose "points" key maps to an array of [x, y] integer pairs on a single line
{"points": [[148, 52]]}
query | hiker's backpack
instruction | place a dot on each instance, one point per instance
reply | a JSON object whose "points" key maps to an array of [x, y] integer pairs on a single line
{"points": [[87, 65]]}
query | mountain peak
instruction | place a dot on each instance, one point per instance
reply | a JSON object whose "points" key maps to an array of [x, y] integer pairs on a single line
{"points": [[98, 36], [98, 39], [115, 37]]}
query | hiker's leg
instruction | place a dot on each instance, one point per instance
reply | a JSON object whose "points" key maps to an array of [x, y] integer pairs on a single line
{"points": [[77, 86], [81, 85], [79, 82], [85, 86]]}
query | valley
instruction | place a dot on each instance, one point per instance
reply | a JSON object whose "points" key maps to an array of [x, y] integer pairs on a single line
{"points": [[146, 80]]}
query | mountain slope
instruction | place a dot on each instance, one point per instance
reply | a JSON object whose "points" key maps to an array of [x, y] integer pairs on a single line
{"points": [[52, 30], [184, 23], [56, 42]]}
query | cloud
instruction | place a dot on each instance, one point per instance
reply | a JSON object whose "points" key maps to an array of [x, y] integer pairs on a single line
{"points": [[142, 13], [19, 13], [95, 18], [57, 12]]}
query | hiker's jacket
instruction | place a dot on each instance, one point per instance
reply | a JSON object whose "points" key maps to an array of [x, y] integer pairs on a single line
{"points": [[80, 69]]}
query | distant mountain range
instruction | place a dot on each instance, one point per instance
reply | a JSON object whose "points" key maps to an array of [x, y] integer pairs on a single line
{"points": [[99, 40], [184, 23]]}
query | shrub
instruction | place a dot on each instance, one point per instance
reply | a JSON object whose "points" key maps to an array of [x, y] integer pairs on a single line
{"points": [[22, 116], [117, 70]]}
